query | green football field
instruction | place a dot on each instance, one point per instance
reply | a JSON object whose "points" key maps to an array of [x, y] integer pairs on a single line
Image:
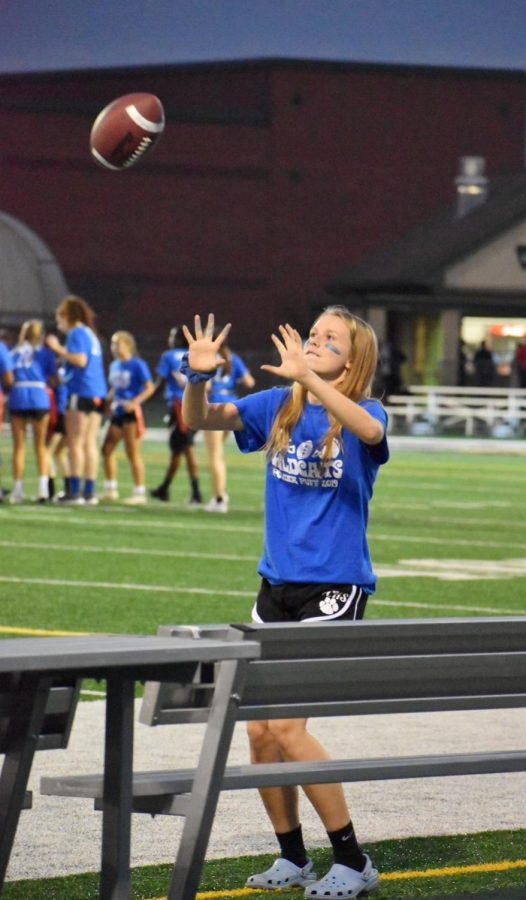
{"points": [[447, 535]]}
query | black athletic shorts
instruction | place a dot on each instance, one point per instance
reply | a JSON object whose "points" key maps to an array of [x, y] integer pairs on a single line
{"points": [[181, 437], [85, 404], [128, 418], [308, 602], [60, 426], [34, 414]]}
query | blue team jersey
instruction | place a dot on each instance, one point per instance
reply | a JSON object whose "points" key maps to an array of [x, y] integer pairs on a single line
{"points": [[90, 380], [315, 513], [169, 363], [223, 385], [32, 369], [6, 364], [127, 379]]}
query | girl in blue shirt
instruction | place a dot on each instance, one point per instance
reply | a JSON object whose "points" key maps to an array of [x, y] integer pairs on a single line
{"points": [[34, 371], [324, 439], [6, 380], [86, 385], [131, 385], [231, 374], [181, 439]]}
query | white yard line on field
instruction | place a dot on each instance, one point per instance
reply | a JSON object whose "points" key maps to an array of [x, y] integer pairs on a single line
{"points": [[236, 557], [171, 589], [115, 586], [189, 522], [130, 551], [456, 542], [457, 607]]}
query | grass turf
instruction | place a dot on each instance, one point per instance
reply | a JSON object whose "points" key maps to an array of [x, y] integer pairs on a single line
{"points": [[415, 867], [447, 536]]}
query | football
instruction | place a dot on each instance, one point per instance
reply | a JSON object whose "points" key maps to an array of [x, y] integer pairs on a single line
{"points": [[125, 130]]}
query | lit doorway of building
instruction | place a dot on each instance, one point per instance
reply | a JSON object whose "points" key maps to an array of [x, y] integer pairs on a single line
{"points": [[501, 336]]}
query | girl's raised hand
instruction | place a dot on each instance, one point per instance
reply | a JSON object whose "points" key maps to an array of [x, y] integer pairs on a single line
{"points": [[203, 349], [290, 348]]}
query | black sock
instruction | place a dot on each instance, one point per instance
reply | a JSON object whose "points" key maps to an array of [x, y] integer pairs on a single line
{"points": [[346, 849], [196, 493], [292, 846]]}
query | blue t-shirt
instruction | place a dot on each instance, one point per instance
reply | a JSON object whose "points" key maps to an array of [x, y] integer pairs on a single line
{"points": [[32, 369], [6, 364], [90, 380], [127, 378], [315, 513], [169, 363], [223, 385]]}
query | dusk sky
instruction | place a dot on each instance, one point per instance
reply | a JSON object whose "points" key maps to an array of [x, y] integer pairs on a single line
{"points": [[37, 35]]}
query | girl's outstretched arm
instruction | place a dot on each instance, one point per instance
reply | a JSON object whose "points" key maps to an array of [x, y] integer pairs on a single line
{"points": [[294, 367], [203, 358]]}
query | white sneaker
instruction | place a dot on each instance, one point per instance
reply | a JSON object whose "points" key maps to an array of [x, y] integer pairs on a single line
{"points": [[217, 506], [73, 501], [135, 500], [111, 494], [91, 501], [282, 874], [343, 883], [16, 498]]}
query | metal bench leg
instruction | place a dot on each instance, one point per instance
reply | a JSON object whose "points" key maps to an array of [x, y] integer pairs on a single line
{"points": [[208, 779], [117, 800], [25, 725]]}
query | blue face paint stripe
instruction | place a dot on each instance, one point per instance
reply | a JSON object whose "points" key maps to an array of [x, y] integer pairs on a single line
{"points": [[333, 349]]}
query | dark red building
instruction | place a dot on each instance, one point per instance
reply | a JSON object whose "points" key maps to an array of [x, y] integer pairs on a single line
{"points": [[271, 177]]}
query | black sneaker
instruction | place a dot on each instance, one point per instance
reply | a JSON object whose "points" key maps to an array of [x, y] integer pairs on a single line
{"points": [[160, 493]]}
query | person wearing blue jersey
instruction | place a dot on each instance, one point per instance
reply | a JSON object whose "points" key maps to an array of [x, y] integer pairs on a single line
{"points": [[324, 439], [131, 384], [34, 371], [231, 375], [6, 380], [86, 384], [181, 439]]}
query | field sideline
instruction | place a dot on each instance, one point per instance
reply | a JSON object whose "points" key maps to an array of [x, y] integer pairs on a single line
{"points": [[447, 536]]}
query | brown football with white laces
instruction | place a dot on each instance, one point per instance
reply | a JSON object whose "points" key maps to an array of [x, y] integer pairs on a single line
{"points": [[125, 130]]}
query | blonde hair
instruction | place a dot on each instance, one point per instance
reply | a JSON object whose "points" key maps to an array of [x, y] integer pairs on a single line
{"points": [[356, 383], [128, 339], [31, 332]]}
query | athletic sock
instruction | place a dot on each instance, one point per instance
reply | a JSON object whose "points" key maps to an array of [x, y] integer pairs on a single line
{"points": [[292, 846], [196, 493], [89, 487], [74, 485], [346, 849]]}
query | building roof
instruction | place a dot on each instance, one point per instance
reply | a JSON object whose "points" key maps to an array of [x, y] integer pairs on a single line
{"points": [[32, 282], [271, 62], [417, 262]]}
